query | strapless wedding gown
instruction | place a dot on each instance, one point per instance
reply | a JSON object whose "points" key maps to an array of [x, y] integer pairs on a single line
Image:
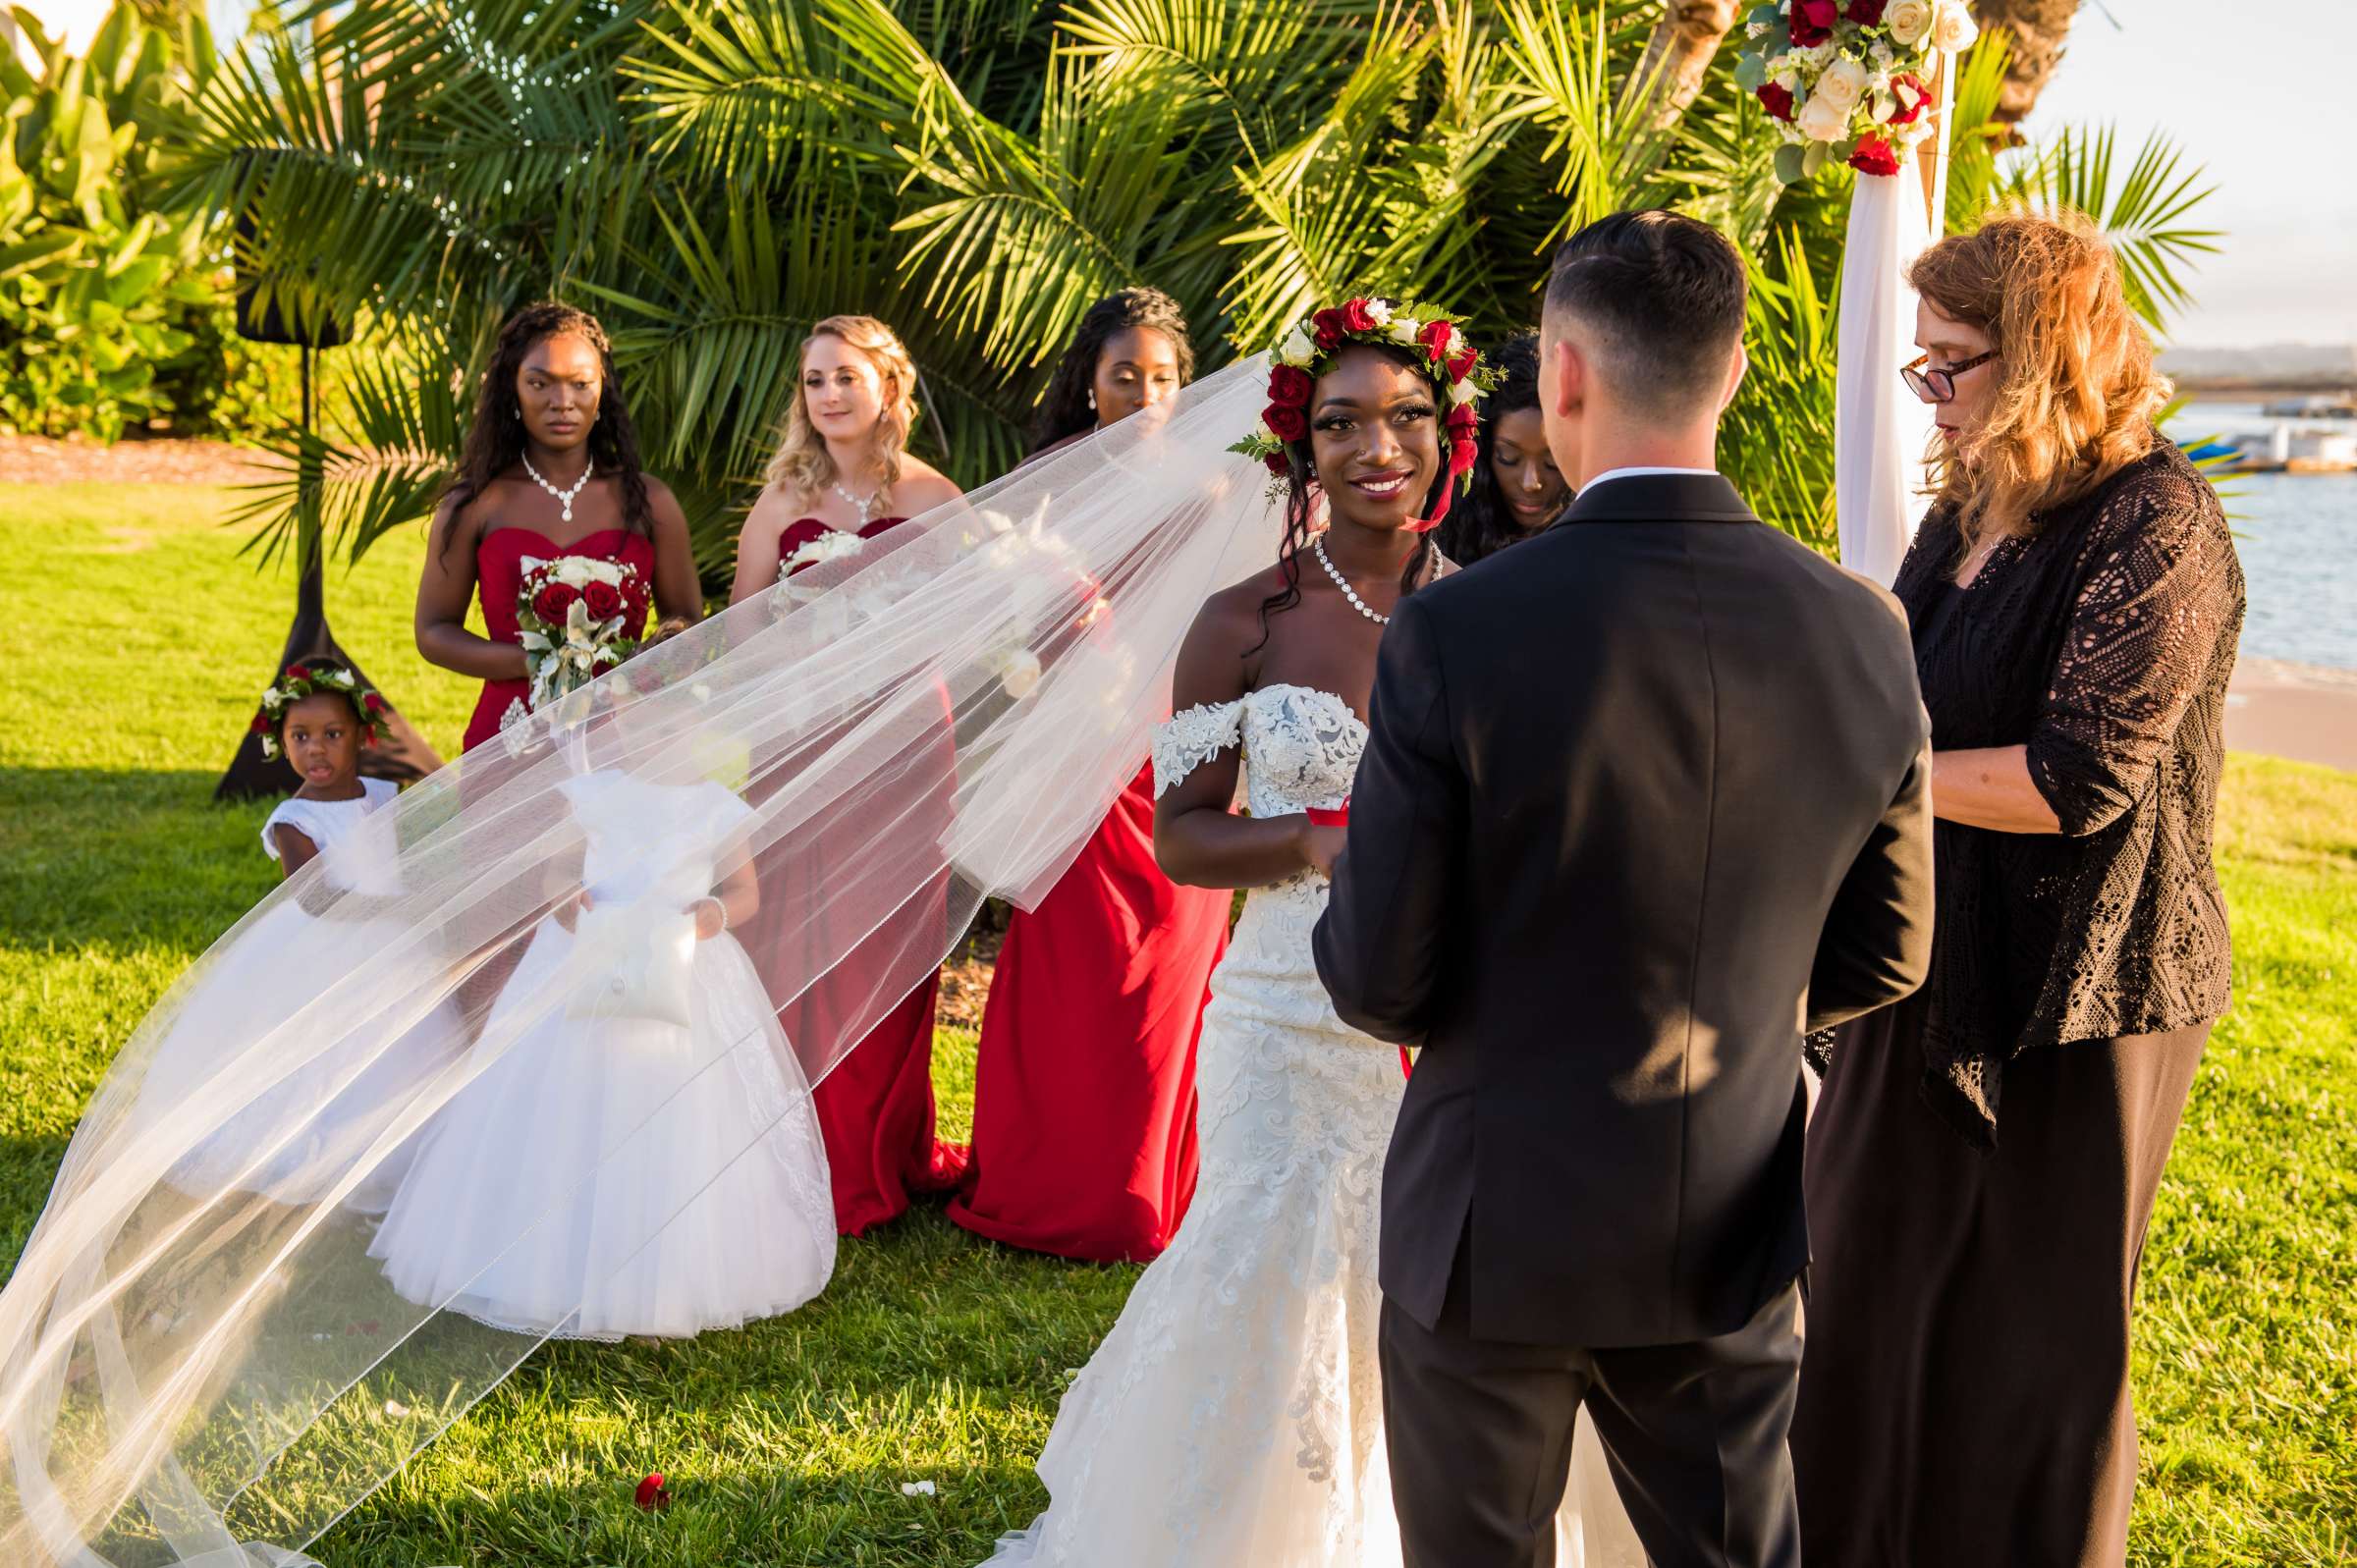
{"points": [[1235, 1414]]}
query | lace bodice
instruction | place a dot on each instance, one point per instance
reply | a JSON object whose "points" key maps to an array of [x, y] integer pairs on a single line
{"points": [[1301, 747]]}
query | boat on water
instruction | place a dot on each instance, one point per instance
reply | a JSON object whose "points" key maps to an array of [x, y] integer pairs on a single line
{"points": [[2342, 406], [2284, 448]]}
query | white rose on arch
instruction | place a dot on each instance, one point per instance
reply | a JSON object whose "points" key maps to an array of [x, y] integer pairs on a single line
{"points": [[1909, 20], [1843, 82], [1955, 30], [1823, 120]]}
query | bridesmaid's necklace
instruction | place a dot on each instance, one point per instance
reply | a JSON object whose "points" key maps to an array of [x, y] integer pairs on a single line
{"points": [[564, 497], [1317, 545], [864, 507]]}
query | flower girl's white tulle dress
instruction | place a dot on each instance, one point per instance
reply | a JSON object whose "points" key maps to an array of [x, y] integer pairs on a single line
{"points": [[284, 952], [1233, 1416], [543, 1197]]}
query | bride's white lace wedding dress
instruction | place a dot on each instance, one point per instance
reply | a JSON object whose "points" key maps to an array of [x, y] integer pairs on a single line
{"points": [[1233, 1415]]}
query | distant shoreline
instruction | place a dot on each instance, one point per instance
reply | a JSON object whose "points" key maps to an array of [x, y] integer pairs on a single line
{"points": [[2207, 390], [2307, 713]]}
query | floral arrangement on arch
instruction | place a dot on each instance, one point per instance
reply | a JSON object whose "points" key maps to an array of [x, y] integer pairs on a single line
{"points": [[300, 681], [1850, 80], [1456, 367], [571, 616]]}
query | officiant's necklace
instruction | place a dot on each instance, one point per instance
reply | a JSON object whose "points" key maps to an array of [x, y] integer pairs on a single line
{"points": [[564, 497], [1317, 545]]}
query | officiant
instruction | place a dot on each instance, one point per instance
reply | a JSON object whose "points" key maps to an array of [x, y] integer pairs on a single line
{"points": [[1984, 1157]]}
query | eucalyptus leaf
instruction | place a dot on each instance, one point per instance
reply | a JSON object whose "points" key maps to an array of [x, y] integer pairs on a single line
{"points": [[1751, 73], [1812, 159], [1788, 161]]}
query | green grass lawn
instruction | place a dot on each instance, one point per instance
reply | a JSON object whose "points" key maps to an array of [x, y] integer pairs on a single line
{"points": [[139, 641]]}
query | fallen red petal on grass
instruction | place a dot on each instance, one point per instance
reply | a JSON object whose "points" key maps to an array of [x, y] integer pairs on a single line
{"points": [[650, 1495]]}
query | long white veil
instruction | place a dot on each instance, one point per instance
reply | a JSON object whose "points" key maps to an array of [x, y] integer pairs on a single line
{"points": [[197, 1366]]}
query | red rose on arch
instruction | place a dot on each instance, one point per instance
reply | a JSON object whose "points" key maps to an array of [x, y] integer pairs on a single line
{"points": [[1328, 327], [1357, 317], [1813, 20], [554, 601], [602, 600], [1290, 388], [1874, 156], [1865, 13], [1285, 423], [1462, 454], [1775, 100], [1907, 113]]}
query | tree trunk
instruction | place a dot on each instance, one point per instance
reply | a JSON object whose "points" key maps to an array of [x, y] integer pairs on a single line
{"points": [[1680, 49], [2039, 29]]}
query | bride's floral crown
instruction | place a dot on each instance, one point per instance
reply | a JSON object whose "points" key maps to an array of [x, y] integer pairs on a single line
{"points": [[300, 681], [1457, 366]]}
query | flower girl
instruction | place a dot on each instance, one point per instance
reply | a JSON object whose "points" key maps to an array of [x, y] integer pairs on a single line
{"points": [[318, 715], [582, 1186]]}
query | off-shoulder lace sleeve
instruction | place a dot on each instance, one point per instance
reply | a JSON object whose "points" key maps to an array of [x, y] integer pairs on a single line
{"points": [[1191, 739]]}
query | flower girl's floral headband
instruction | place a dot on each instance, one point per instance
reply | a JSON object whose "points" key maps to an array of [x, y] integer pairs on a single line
{"points": [[1457, 368], [301, 681]]}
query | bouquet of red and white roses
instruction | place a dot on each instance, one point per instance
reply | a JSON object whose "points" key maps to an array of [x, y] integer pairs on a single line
{"points": [[1850, 80], [574, 615]]}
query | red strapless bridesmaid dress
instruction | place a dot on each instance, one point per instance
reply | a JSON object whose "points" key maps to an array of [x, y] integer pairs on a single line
{"points": [[499, 557], [875, 1108], [1084, 1096]]}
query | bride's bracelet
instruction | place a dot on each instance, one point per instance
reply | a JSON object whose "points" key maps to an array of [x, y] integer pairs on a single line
{"points": [[719, 903]]}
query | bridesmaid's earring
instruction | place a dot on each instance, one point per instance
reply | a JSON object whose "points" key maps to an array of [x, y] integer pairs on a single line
{"points": [[1092, 399]]}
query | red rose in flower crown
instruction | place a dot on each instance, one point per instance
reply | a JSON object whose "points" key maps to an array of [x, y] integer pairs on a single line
{"points": [[1289, 387], [1874, 156], [603, 601], [1775, 100], [1865, 13], [1453, 363]]}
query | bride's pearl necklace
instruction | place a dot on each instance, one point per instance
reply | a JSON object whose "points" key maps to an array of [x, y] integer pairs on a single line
{"points": [[564, 497], [1317, 546]]}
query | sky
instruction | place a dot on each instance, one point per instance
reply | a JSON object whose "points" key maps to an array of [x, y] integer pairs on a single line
{"points": [[2272, 137]]}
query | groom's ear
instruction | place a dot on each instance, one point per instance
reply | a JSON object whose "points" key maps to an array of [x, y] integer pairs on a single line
{"points": [[1570, 369], [1734, 377]]}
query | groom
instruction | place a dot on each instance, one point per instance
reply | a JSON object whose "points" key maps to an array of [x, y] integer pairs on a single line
{"points": [[1645, 797]]}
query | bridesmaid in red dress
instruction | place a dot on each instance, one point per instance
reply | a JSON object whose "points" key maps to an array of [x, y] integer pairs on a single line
{"points": [[550, 468], [1084, 1095], [843, 468]]}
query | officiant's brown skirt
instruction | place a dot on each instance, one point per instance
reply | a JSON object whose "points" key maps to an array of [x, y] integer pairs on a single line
{"points": [[1965, 1386]]}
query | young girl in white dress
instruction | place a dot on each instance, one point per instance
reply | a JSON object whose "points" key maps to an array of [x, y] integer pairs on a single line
{"points": [[319, 715], [580, 1187]]}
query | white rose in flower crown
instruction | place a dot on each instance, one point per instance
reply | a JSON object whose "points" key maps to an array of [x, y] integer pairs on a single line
{"points": [[1823, 120], [1843, 82], [1404, 330], [1909, 20], [1955, 30], [1379, 311], [1462, 393], [1299, 347]]}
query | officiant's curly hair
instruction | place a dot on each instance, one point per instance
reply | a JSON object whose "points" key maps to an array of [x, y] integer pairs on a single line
{"points": [[495, 439], [2078, 393]]}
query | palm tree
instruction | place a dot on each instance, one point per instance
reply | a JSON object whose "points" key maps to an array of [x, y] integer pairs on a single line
{"points": [[714, 178], [2036, 31]]}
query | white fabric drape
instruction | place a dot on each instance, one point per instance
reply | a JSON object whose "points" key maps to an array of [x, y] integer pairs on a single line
{"points": [[1881, 429]]}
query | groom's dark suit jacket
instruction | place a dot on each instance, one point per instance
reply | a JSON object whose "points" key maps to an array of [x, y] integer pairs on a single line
{"points": [[1646, 795]]}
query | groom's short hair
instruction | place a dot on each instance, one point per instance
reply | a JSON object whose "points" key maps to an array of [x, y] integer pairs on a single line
{"points": [[1661, 297]]}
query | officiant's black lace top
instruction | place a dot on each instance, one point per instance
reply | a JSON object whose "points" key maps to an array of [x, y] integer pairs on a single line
{"points": [[2102, 641]]}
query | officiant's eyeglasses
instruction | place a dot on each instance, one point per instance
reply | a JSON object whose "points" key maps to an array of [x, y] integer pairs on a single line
{"points": [[1938, 386]]}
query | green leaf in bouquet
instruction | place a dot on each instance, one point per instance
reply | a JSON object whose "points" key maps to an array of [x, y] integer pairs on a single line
{"points": [[1811, 160], [1751, 72], [1789, 162]]}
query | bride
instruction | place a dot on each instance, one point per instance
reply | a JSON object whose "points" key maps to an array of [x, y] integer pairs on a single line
{"points": [[1234, 1415]]}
